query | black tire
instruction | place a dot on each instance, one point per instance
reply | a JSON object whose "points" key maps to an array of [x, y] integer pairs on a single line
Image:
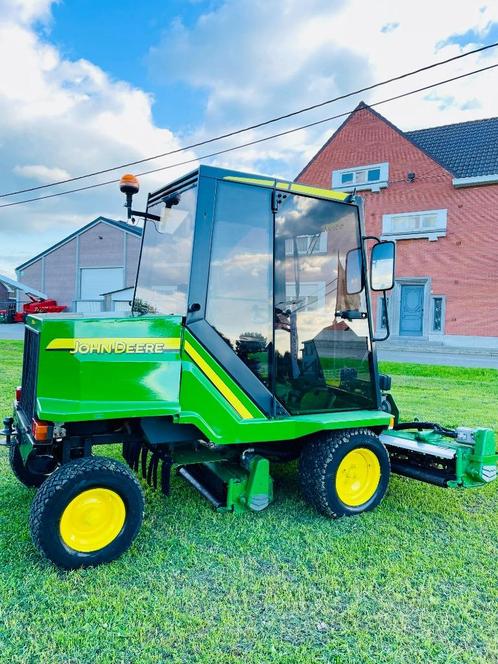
{"points": [[71, 481], [36, 469], [318, 470]]}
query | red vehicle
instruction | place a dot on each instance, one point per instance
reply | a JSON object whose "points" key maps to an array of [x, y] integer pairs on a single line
{"points": [[40, 303], [37, 306]]}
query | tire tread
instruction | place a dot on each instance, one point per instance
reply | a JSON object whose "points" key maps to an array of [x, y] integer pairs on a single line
{"points": [[56, 483], [313, 464]]}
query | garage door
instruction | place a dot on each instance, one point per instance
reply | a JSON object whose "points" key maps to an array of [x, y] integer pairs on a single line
{"points": [[98, 280]]}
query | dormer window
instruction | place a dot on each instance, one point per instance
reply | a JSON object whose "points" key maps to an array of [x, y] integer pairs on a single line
{"points": [[372, 177]]}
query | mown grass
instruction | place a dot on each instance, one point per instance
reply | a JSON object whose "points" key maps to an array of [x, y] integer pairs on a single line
{"points": [[414, 581]]}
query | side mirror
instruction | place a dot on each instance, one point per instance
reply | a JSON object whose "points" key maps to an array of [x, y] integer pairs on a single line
{"points": [[354, 272], [382, 266]]}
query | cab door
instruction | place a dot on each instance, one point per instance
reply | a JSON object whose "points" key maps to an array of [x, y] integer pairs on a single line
{"points": [[231, 290], [323, 360]]}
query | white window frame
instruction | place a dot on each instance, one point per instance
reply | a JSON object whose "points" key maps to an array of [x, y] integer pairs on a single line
{"points": [[389, 231], [376, 185], [319, 248], [443, 314]]}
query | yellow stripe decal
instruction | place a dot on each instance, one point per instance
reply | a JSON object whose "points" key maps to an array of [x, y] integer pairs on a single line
{"points": [[218, 383], [90, 345], [316, 191], [260, 181], [293, 187]]}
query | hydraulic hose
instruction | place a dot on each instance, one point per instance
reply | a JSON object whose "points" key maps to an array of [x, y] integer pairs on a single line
{"points": [[421, 426]]}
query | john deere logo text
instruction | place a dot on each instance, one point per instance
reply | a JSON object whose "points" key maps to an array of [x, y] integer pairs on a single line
{"points": [[117, 345]]}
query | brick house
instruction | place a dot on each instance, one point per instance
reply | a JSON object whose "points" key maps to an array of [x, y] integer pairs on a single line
{"points": [[79, 271], [435, 193]]}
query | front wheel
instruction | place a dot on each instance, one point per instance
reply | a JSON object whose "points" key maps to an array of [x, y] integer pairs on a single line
{"points": [[87, 513], [344, 473]]}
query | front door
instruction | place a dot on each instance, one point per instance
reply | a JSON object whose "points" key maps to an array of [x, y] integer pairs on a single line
{"points": [[411, 319], [321, 359]]}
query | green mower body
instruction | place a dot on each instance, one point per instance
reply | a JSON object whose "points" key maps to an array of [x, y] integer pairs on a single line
{"points": [[250, 342]]}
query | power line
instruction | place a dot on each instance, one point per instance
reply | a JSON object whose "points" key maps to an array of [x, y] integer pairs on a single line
{"points": [[254, 142], [254, 126]]}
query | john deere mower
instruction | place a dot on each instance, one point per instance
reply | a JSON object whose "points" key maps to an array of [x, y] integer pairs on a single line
{"points": [[250, 342]]}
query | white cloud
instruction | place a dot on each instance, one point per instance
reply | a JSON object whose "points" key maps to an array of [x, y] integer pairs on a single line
{"points": [[256, 59], [253, 56], [26, 11], [61, 117], [42, 173]]}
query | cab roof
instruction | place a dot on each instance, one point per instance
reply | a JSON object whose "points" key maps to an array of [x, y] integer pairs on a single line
{"points": [[189, 180]]}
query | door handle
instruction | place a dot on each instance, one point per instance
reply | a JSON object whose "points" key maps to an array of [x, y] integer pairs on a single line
{"points": [[351, 314]]}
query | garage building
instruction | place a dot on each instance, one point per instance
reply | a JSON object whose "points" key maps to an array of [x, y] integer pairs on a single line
{"points": [[78, 271]]}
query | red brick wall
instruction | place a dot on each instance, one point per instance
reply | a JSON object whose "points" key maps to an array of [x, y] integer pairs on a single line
{"points": [[464, 264]]}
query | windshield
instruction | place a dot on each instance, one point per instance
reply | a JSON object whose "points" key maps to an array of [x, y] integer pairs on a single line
{"points": [[321, 350], [164, 270]]}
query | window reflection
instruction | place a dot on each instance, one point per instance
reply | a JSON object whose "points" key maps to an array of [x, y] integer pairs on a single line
{"points": [[321, 359], [164, 272], [240, 281]]}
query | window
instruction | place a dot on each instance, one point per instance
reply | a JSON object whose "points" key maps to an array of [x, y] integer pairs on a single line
{"points": [[430, 224], [373, 177], [321, 360], [164, 270], [240, 293], [437, 314]]}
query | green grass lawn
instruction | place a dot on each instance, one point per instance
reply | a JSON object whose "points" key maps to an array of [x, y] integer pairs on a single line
{"points": [[413, 581]]}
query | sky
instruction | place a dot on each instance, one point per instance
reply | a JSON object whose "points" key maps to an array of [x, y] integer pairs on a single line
{"points": [[87, 85]]}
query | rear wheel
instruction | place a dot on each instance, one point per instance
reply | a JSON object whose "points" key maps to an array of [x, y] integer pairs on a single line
{"points": [[36, 469], [344, 473], [87, 513]]}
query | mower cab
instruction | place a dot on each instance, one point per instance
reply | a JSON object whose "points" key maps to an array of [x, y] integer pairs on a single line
{"points": [[271, 280], [250, 341]]}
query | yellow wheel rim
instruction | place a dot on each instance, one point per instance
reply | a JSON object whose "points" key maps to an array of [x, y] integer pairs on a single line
{"points": [[92, 520], [357, 477]]}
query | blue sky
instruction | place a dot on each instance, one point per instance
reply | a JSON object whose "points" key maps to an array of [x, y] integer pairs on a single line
{"points": [[117, 36], [94, 84]]}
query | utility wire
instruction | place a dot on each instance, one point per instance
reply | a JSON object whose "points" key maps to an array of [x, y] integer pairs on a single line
{"points": [[256, 141], [254, 126]]}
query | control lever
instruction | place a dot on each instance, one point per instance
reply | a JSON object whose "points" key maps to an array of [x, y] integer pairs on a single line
{"points": [[351, 314]]}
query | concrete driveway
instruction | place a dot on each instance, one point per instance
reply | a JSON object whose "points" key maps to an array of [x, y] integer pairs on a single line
{"points": [[12, 331], [452, 359]]}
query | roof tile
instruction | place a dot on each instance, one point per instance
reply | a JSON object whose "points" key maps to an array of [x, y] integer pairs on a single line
{"points": [[466, 149]]}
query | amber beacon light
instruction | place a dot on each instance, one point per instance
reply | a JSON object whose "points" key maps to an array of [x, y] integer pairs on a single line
{"points": [[130, 186]]}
